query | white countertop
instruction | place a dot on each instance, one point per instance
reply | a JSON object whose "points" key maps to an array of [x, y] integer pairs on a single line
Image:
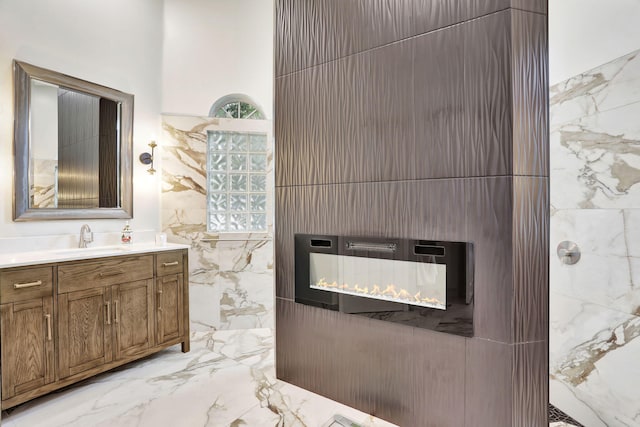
{"points": [[19, 259]]}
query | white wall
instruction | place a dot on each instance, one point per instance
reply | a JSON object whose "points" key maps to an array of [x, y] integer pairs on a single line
{"points": [[586, 33], [216, 47], [44, 121], [117, 43]]}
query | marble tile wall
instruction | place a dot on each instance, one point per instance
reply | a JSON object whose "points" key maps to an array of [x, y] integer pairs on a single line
{"points": [[231, 275], [595, 201], [43, 189]]}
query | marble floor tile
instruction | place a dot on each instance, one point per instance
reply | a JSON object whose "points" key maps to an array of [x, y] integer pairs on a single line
{"points": [[227, 379]]}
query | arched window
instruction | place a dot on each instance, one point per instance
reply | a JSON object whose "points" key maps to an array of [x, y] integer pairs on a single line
{"points": [[236, 106], [238, 153]]}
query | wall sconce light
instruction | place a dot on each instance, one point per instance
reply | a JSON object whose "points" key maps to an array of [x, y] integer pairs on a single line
{"points": [[147, 159]]}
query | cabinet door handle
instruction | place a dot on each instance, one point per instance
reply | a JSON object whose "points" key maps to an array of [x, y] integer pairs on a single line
{"points": [[108, 305], [170, 264], [111, 273], [27, 285], [115, 311], [159, 300], [47, 317]]}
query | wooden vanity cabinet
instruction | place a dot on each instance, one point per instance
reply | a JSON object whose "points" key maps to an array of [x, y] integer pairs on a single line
{"points": [[26, 330], [103, 316], [169, 294], [86, 317], [133, 320], [83, 334]]}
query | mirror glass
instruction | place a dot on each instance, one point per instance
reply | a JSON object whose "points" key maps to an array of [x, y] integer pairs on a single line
{"points": [[73, 147]]}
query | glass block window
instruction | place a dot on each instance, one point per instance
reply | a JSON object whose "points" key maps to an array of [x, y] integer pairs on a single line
{"points": [[237, 181]]}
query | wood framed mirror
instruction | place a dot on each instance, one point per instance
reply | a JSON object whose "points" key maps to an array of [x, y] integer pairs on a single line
{"points": [[72, 146]]}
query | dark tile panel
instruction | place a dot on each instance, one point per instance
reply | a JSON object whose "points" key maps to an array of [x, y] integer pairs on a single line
{"points": [[488, 384], [540, 6], [352, 120], [349, 120], [530, 94], [311, 32], [530, 384], [489, 214], [394, 372], [428, 209], [289, 110], [380, 106], [487, 89], [440, 111], [436, 209], [285, 217], [530, 259]]}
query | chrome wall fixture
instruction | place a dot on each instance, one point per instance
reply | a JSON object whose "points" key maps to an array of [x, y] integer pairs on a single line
{"points": [[147, 158], [568, 252]]}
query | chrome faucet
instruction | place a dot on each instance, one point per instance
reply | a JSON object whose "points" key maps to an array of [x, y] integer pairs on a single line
{"points": [[86, 236]]}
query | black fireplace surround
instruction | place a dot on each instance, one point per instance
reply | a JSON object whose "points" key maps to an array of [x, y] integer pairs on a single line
{"points": [[421, 283]]}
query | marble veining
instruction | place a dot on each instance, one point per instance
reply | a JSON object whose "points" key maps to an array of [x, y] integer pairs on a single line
{"points": [[44, 187], [228, 379], [595, 201], [595, 137], [231, 274]]}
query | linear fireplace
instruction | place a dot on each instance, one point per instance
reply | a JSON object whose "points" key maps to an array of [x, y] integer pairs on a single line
{"points": [[426, 284]]}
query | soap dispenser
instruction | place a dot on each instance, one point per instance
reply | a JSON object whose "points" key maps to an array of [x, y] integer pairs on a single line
{"points": [[126, 234]]}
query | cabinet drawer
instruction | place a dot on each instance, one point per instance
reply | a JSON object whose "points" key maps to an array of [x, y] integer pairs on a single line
{"points": [[26, 283], [111, 271], [168, 263]]}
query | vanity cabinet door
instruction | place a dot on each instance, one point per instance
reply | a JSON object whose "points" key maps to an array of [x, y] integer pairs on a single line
{"points": [[169, 312], [133, 317], [27, 345], [84, 330]]}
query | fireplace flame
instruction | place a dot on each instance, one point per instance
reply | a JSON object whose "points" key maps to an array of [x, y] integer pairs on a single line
{"points": [[389, 291]]}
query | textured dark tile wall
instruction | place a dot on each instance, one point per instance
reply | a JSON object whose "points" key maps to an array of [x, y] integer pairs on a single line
{"points": [[530, 94], [540, 6], [489, 212], [530, 259], [488, 384], [419, 119], [329, 105], [487, 83], [439, 104], [343, 357], [310, 33], [530, 384], [464, 101]]}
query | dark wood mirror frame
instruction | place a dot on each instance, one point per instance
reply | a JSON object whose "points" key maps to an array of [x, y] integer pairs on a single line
{"points": [[22, 211]]}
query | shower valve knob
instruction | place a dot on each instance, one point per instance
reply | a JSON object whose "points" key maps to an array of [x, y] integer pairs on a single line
{"points": [[568, 252]]}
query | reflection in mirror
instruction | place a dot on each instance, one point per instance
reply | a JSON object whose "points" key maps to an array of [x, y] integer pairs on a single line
{"points": [[73, 147]]}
